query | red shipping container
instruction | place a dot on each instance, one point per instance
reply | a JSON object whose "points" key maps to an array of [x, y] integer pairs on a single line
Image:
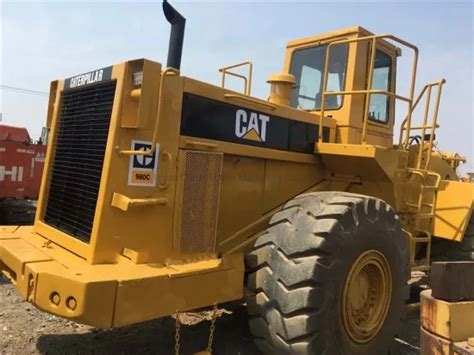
{"points": [[21, 164]]}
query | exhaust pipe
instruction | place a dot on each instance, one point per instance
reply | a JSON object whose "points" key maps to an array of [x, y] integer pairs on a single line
{"points": [[178, 23]]}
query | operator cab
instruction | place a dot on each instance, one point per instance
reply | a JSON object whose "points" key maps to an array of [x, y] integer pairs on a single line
{"points": [[348, 68]]}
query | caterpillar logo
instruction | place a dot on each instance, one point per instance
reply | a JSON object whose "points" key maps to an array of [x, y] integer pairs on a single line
{"points": [[90, 78], [142, 169], [86, 79], [251, 126]]}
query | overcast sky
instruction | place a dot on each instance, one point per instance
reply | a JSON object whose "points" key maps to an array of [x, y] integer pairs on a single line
{"points": [[44, 41]]}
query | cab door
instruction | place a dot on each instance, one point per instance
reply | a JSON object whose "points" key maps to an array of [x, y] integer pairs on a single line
{"points": [[381, 113]]}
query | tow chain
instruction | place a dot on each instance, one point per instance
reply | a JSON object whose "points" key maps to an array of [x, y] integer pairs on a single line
{"points": [[177, 336], [212, 329]]}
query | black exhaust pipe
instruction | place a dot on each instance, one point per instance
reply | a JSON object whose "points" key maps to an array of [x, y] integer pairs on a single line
{"points": [[178, 23]]}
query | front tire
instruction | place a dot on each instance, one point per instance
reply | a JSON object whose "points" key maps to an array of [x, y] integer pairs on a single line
{"points": [[329, 276]]}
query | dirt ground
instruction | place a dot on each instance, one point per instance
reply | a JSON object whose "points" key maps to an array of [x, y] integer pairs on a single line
{"points": [[25, 330]]}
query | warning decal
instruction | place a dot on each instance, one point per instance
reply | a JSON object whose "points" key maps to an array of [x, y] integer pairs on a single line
{"points": [[143, 168]]}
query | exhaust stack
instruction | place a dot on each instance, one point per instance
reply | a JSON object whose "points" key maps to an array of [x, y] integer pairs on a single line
{"points": [[178, 23]]}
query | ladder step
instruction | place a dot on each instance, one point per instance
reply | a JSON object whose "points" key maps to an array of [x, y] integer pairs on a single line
{"points": [[414, 205], [420, 268], [421, 239], [426, 215], [421, 127], [425, 232], [430, 188]]}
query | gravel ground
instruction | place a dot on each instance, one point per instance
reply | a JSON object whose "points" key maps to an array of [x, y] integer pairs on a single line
{"points": [[26, 330]]}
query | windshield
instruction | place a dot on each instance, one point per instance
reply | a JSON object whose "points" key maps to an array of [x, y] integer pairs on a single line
{"points": [[307, 66]]}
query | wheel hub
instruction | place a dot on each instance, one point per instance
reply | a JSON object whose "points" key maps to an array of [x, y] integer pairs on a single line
{"points": [[366, 296]]}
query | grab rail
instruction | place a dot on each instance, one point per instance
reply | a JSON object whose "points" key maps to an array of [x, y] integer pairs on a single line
{"points": [[154, 140], [247, 79], [434, 121]]}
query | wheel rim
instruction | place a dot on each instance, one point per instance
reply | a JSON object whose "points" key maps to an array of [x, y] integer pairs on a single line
{"points": [[366, 296]]}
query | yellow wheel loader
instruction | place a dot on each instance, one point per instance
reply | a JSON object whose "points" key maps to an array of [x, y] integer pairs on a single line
{"points": [[162, 193]]}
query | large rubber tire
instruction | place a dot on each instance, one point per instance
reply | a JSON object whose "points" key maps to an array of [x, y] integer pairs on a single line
{"points": [[445, 250], [297, 270], [17, 212]]}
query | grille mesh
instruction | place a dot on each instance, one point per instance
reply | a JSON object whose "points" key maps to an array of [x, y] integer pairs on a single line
{"points": [[84, 118], [200, 201]]}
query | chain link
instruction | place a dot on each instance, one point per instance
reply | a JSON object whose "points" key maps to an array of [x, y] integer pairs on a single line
{"points": [[212, 329], [177, 336]]}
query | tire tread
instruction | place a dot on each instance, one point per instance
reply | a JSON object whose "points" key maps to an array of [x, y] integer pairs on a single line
{"points": [[282, 268]]}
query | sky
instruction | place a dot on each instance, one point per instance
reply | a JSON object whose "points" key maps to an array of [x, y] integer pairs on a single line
{"points": [[43, 41]]}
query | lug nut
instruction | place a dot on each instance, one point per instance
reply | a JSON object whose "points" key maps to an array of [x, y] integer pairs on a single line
{"points": [[55, 298], [71, 303]]}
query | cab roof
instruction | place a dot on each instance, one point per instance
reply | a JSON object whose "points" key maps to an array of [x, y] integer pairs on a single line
{"points": [[355, 31]]}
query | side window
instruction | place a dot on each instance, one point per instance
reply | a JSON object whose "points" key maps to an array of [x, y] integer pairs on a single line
{"points": [[379, 107], [307, 65]]}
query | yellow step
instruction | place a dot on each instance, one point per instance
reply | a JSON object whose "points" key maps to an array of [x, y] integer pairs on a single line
{"points": [[425, 215]]}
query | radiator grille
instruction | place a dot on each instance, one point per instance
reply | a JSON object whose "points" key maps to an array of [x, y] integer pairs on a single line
{"points": [[82, 132], [200, 201]]}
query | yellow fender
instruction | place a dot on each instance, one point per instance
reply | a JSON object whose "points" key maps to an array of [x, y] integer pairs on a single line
{"points": [[454, 207]]}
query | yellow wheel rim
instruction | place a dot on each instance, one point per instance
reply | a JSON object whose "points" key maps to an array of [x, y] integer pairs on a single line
{"points": [[366, 296]]}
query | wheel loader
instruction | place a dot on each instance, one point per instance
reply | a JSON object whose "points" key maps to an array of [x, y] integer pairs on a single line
{"points": [[163, 194]]}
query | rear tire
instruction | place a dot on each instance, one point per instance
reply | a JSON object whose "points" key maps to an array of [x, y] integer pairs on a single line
{"points": [[446, 250], [298, 271]]}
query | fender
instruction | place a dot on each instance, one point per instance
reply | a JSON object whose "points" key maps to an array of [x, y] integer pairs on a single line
{"points": [[454, 206]]}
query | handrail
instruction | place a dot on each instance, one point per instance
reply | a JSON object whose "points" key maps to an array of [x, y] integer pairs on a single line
{"points": [[357, 92], [434, 122], [402, 126], [433, 125], [243, 77], [418, 99], [423, 129], [413, 128], [247, 80], [166, 72], [368, 92]]}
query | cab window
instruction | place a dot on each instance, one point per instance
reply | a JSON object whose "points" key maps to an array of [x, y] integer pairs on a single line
{"points": [[379, 107], [307, 66]]}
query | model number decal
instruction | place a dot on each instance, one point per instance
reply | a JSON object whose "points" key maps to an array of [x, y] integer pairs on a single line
{"points": [[143, 169]]}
